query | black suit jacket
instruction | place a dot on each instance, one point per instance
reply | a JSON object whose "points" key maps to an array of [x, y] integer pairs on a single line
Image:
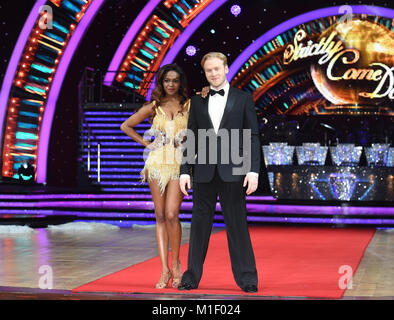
{"points": [[239, 114]]}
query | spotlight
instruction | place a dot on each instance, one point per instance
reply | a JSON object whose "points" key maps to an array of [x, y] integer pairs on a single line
{"points": [[327, 126], [26, 172], [191, 50], [235, 10]]}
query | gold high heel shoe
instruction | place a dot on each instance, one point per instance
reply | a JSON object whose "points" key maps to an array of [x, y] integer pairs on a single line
{"points": [[164, 280], [177, 277]]}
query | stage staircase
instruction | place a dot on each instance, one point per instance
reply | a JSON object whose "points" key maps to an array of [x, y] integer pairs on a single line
{"points": [[121, 158]]}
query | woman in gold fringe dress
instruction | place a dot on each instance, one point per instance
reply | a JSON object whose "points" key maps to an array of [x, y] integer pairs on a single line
{"points": [[168, 110]]}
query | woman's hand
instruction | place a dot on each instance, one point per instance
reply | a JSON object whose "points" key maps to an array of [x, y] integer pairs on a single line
{"points": [[161, 139]]}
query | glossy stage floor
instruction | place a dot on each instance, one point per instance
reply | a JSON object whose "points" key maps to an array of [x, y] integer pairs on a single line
{"points": [[77, 257]]}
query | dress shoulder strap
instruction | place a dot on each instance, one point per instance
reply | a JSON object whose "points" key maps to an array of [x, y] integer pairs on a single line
{"points": [[187, 104], [161, 110], [154, 103]]}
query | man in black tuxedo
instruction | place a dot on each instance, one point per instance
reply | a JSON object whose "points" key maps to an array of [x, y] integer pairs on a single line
{"points": [[227, 119]]}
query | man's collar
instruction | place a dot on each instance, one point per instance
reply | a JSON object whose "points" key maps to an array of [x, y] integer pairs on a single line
{"points": [[225, 87]]}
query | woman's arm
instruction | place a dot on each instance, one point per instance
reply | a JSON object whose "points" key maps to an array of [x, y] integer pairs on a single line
{"points": [[128, 126]]}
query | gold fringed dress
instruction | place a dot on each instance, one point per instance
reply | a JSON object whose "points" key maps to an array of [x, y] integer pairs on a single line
{"points": [[163, 163]]}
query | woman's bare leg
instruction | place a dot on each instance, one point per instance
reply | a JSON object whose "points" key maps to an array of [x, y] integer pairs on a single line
{"points": [[173, 201], [161, 226]]}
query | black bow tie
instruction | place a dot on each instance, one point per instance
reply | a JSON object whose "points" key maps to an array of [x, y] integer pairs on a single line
{"points": [[213, 92]]}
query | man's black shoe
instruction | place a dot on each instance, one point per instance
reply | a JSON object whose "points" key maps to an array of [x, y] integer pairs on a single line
{"points": [[186, 286], [250, 288]]}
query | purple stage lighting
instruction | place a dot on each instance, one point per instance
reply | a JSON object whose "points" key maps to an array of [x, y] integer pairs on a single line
{"points": [[191, 50], [235, 10]]}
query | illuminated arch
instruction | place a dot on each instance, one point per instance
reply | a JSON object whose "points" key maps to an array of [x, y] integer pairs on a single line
{"points": [[127, 39], [159, 37], [33, 80], [186, 34], [15, 57]]}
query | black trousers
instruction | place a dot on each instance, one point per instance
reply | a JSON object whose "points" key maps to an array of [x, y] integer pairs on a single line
{"points": [[233, 204]]}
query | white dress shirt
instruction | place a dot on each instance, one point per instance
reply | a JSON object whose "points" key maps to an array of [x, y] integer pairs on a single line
{"points": [[216, 106]]}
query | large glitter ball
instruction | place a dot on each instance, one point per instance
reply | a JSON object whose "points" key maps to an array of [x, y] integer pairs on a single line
{"points": [[375, 44]]}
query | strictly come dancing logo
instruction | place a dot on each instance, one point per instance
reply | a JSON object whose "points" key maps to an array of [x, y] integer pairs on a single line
{"points": [[351, 63]]}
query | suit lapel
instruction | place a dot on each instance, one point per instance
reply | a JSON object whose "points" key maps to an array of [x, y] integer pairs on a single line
{"points": [[229, 105], [205, 111]]}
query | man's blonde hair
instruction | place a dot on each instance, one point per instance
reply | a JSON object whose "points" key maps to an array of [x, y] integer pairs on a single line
{"points": [[210, 55]]}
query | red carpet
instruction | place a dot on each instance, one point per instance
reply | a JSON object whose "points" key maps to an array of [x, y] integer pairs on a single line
{"points": [[291, 261]]}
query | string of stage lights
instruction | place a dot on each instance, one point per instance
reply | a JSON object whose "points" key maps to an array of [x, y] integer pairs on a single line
{"points": [[158, 43], [35, 72], [34, 78]]}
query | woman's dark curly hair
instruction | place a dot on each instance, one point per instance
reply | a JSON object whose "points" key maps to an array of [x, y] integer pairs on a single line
{"points": [[158, 92]]}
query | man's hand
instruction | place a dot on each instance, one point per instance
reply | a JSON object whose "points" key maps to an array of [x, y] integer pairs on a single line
{"points": [[184, 182], [180, 138], [252, 182], [204, 92]]}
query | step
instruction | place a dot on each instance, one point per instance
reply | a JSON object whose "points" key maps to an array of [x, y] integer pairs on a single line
{"points": [[114, 163], [107, 113], [113, 156], [116, 176], [124, 189], [104, 131], [94, 169], [125, 144], [116, 152]]}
